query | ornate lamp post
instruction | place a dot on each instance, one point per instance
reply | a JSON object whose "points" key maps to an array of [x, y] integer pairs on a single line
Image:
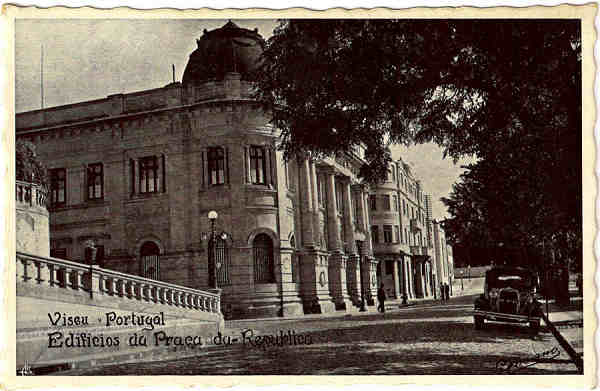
{"points": [[212, 255], [212, 216]]}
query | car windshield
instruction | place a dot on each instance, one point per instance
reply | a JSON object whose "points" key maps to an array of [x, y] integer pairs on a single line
{"points": [[515, 279]]}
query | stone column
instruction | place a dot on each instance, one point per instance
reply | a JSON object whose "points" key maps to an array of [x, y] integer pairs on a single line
{"points": [[306, 204], [314, 288], [333, 229], [315, 203], [396, 279], [337, 259], [348, 217]]}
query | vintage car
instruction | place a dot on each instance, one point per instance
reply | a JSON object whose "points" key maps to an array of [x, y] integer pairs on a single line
{"points": [[509, 296]]}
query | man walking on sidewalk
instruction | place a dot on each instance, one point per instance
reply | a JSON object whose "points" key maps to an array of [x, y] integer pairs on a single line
{"points": [[381, 298], [442, 292]]}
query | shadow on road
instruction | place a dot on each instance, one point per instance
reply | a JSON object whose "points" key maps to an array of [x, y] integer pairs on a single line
{"points": [[388, 348]]}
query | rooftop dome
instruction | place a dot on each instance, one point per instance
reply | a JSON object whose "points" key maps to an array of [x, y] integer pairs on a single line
{"points": [[226, 49]]}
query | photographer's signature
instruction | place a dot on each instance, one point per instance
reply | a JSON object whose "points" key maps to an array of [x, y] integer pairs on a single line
{"points": [[26, 370], [513, 365]]}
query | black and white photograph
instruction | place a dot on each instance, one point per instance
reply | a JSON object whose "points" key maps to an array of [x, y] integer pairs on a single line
{"points": [[288, 196]]}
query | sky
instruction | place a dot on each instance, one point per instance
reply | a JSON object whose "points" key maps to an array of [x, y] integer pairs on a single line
{"points": [[87, 59]]}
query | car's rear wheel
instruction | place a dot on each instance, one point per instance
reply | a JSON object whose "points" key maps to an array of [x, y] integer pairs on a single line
{"points": [[479, 321], [534, 326]]}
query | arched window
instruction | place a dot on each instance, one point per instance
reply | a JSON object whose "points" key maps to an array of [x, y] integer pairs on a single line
{"points": [[150, 263], [263, 259], [221, 251], [295, 266]]}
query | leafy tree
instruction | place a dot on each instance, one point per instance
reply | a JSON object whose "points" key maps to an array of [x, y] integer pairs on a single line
{"points": [[507, 92], [28, 166]]}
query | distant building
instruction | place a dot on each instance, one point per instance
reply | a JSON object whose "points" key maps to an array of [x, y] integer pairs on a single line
{"points": [[399, 231]]}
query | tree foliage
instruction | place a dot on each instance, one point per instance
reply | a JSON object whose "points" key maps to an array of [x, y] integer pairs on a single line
{"points": [[29, 168], [507, 92]]}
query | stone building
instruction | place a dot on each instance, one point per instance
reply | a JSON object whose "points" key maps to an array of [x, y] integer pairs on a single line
{"points": [[137, 174], [399, 233]]}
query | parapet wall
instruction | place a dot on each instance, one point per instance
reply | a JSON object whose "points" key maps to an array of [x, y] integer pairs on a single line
{"points": [[68, 312], [32, 220]]}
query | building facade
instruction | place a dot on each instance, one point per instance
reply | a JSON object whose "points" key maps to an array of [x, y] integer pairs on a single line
{"points": [[137, 174], [399, 228]]}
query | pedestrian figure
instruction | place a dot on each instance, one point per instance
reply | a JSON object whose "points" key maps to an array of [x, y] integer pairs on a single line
{"points": [[447, 291], [381, 297], [442, 292]]}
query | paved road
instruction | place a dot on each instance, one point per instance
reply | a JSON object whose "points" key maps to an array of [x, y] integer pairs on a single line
{"points": [[428, 339]]}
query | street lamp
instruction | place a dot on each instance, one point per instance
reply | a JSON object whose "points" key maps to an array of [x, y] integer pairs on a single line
{"points": [[212, 216]]}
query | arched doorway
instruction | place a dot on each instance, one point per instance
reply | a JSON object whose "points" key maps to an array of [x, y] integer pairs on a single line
{"points": [[150, 260], [264, 272], [221, 257]]}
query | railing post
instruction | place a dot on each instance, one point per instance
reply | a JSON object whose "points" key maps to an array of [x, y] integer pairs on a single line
{"points": [[25, 270], [120, 287], [129, 289], [51, 275], [95, 281], [77, 276]]}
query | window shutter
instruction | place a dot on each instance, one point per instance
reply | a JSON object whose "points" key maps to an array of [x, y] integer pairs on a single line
{"points": [[132, 176], [227, 163], [203, 169], [164, 177]]}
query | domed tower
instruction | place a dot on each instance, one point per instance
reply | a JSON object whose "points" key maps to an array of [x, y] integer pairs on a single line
{"points": [[238, 173], [229, 49]]}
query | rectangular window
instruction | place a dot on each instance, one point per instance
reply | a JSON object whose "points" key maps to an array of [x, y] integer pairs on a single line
{"points": [[389, 267], [148, 174], [406, 237], [375, 233], [404, 206], [373, 202], [58, 253], [257, 165], [395, 202], [216, 166], [58, 186], [396, 234], [393, 173], [387, 233], [386, 202], [95, 181]]}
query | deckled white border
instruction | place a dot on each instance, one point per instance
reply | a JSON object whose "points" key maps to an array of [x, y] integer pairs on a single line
{"points": [[321, 382]]}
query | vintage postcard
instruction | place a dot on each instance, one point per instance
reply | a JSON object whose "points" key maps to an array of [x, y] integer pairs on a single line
{"points": [[404, 193]]}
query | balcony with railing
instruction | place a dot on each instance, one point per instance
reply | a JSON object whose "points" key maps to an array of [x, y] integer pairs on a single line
{"points": [[30, 194]]}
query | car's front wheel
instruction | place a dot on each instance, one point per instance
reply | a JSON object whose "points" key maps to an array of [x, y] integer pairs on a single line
{"points": [[479, 321]]}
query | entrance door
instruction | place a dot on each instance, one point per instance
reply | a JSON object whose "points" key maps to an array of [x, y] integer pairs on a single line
{"points": [[150, 262]]}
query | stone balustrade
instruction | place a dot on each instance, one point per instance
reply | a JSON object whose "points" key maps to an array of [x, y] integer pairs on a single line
{"points": [[97, 282], [30, 194]]}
